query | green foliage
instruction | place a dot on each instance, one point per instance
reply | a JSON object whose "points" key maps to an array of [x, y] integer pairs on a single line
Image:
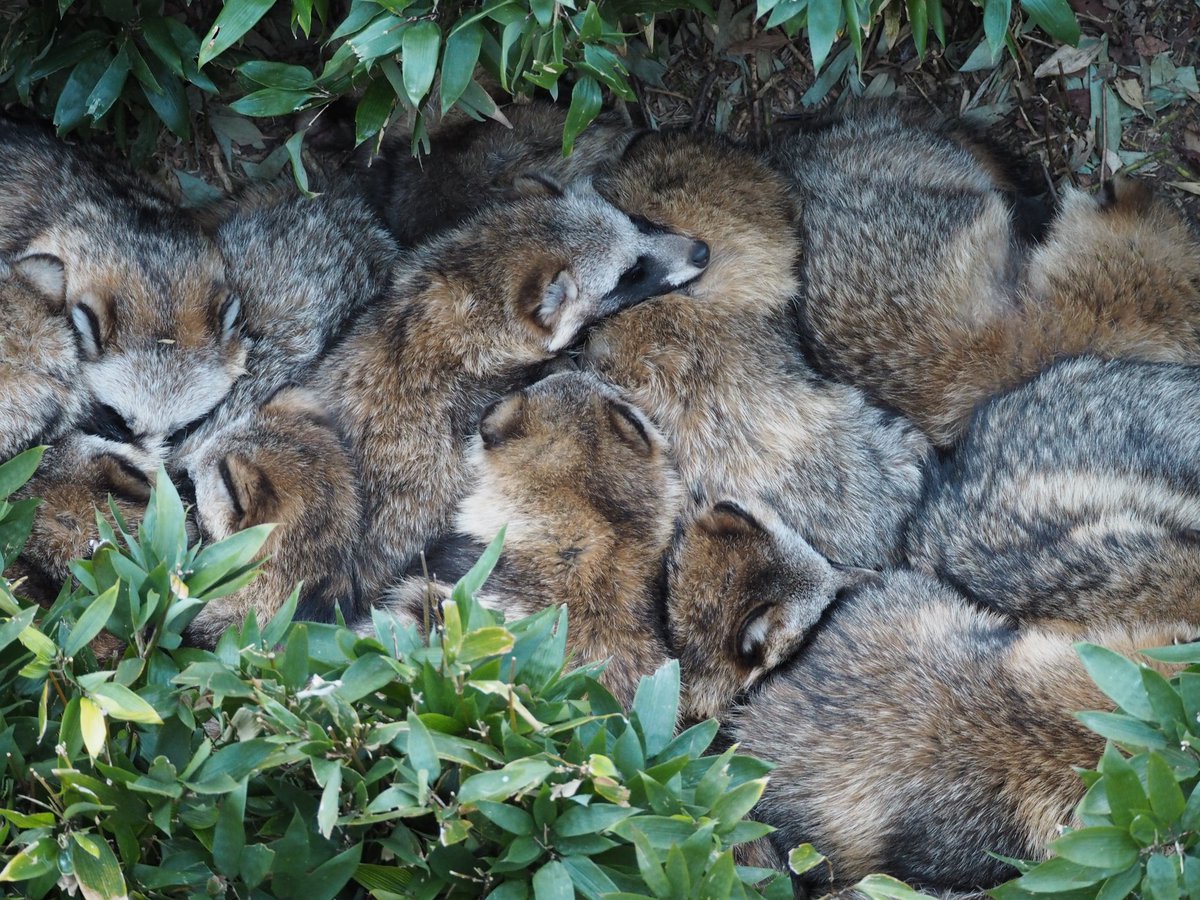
{"points": [[133, 67], [302, 759], [1140, 817]]}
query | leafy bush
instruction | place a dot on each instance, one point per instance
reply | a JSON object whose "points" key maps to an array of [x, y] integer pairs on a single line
{"points": [[1140, 833], [300, 759], [131, 66]]}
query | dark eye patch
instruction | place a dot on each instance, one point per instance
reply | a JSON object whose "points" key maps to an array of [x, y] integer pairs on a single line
{"points": [[645, 226], [227, 479], [183, 432], [105, 422]]}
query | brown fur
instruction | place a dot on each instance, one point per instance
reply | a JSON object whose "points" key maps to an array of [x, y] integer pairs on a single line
{"points": [[472, 165], [283, 464], [717, 369], [77, 476], [468, 318], [145, 293], [39, 367], [920, 290], [584, 484], [915, 732]]}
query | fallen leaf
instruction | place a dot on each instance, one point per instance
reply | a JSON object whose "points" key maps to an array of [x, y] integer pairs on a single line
{"points": [[1068, 60], [1113, 162], [1148, 45], [1130, 90], [1192, 187]]}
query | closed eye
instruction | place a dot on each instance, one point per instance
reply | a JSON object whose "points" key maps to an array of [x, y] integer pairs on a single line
{"points": [[182, 433], [227, 480], [106, 422]]}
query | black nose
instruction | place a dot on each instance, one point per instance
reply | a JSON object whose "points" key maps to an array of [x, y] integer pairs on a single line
{"points": [[699, 254]]}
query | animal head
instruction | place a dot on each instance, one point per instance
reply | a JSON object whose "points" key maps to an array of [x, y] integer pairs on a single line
{"points": [[568, 457], [76, 478], [712, 190], [743, 592], [581, 259], [284, 465], [159, 334]]}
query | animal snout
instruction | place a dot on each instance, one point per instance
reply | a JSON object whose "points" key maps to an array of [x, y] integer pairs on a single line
{"points": [[699, 255]]}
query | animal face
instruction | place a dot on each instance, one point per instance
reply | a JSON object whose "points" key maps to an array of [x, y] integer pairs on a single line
{"points": [[744, 590], [569, 453], [594, 260], [159, 335]]}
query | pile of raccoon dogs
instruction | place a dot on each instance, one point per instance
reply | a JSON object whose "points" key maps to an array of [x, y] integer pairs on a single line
{"points": [[855, 429]]}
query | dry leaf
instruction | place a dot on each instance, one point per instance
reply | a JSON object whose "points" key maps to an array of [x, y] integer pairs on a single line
{"points": [[1192, 187], [1068, 60], [1148, 45], [1130, 90]]}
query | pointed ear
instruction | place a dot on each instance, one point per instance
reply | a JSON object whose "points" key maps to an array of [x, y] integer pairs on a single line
{"points": [[46, 273], [729, 518], [537, 184], [252, 496], [752, 636], [631, 426], [555, 297], [86, 318], [230, 316], [503, 420]]}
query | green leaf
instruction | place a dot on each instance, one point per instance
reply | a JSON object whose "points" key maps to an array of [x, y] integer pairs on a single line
{"points": [[170, 102], [271, 102], [1177, 653], [996, 16], [422, 755], [38, 859], [512, 819], [884, 887], [478, 573], [277, 75], [598, 817], [235, 19], [733, 805], [918, 18], [803, 858], [485, 642], [109, 87], [553, 882], [585, 106], [1162, 878], [589, 878], [327, 808], [256, 862], [501, 784], [1166, 798], [1124, 730], [1122, 787], [216, 561], [327, 879], [648, 863], [71, 109], [373, 109], [229, 836], [119, 702], [1118, 677], [458, 63], [37, 643], [299, 175], [96, 868], [1057, 875], [824, 19], [1101, 847], [1119, 886], [1055, 17], [419, 46], [92, 621], [14, 627], [656, 706]]}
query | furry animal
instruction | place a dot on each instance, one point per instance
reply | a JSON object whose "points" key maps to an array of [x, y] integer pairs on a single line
{"points": [[158, 331], [77, 477], [584, 483], [741, 598], [285, 464], [39, 366], [717, 368], [296, 303], [1075, 498], [923, 289], [471, 166], [469, 317], [914, 733]]}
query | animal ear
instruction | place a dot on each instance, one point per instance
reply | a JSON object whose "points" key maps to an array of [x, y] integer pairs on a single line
{"points": [[252, 496], [631, 426], [729, 518], [46, 273], [86, 318], [752, 636], [230, 316], [561, 292], [122, 479], [503, 420], [537, 184]]}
